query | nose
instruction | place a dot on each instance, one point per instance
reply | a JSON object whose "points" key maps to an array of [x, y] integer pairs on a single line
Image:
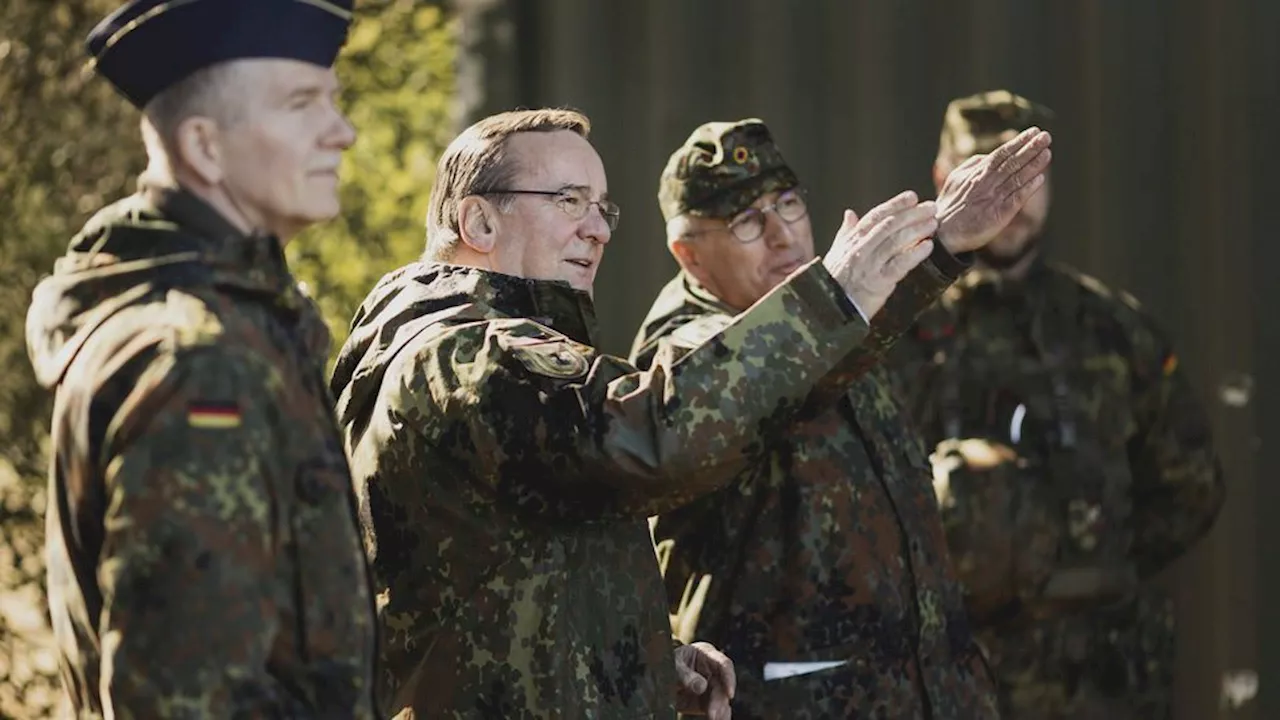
{"points": [[342, 134], [594, 227]]}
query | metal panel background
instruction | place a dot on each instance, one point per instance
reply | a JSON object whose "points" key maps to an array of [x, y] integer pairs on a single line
{"points": [[1163, 181]]}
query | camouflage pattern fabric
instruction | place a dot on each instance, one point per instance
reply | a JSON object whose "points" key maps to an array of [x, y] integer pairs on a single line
{"points": [[829, 548], [204, 559], [721, 169], [1103, 474], [506, 470], [981, 123]]}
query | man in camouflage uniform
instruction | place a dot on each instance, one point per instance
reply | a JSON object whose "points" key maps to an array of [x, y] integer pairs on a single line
{"points": [[506, 468], [204, 559], [822, 570], [1073, 461]]}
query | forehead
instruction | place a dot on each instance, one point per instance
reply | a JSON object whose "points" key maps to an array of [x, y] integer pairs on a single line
{"points": [[280, 76], [702, 223], [557, 158]]}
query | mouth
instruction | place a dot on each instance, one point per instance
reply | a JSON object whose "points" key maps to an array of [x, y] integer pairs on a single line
{"points": [[584, 264], [788, 268]]}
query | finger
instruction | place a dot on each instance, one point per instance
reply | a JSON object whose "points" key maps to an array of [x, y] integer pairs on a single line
{"points": [[900, 238], [1024, 154], [1010, 147], [874, 238], [898, 203], [906, 261], [848, 224], [963, 168], [719, 708], [893, 223], [866, 234], [1028, 173], [846, 237], [690, 681], [1012, 204], [728, 677], [719, 667]]}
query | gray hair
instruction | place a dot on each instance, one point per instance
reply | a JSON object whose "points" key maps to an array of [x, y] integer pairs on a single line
{"points": [[215, 92], [477, 162]]}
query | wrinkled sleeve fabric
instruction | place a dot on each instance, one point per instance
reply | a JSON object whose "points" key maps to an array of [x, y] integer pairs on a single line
{"points": [[612, 440], [915, 294]]}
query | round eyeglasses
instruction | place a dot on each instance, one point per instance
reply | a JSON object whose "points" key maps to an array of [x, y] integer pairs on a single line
{"points": [[748, 225]]}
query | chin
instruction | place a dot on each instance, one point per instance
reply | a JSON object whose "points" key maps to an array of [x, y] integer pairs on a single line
{"points": [[326, 210]]}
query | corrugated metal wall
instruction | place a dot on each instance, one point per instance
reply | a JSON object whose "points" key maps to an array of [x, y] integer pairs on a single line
{"points": [[1164, 183]]}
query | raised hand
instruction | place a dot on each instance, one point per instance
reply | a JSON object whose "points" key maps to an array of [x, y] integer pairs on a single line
{"points": [[985, 192], [870, 255]]}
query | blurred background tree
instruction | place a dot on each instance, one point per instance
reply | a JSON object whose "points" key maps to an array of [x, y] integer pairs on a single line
{"points": [[398, 80], [69, 145]]}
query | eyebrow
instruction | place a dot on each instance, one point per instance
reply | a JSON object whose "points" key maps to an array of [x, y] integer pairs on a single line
{"points": [[752, 206], [311, 91], [304, 92]]}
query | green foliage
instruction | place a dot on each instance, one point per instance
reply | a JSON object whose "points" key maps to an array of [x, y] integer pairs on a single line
{"points": [[69, 145], [397, 75]]}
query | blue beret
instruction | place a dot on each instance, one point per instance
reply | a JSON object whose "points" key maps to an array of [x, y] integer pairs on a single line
{"points": [[149, 45]]}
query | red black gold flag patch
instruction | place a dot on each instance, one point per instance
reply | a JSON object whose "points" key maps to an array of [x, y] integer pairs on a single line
{"points": [[1170, 364], [213, 415]]}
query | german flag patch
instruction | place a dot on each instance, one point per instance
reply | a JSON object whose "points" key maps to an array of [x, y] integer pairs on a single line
{"points": [[213, 415], [1170, 364]]}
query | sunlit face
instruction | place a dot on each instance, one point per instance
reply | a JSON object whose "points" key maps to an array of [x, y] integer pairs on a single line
{"points": [[537, 237], [280, 160], [740, 273]]}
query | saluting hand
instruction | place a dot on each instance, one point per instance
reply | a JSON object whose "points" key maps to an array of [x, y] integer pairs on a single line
{"points": [[870, 255], [985, 192]]}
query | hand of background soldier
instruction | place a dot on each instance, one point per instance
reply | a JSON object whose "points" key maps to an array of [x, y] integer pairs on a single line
{"points": [[985, 192], [869, 256], [705, 681]]}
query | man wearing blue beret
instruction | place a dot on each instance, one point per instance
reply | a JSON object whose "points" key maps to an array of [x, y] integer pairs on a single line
{"points": [[204, 556]]}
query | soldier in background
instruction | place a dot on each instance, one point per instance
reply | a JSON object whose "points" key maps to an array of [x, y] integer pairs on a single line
{"points": [[203, 553], [1073, 461]]}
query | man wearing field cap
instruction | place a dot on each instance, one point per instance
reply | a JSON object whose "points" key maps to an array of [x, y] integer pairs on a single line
{"points": [[822, 570], [1073, 462], [204, 559]]}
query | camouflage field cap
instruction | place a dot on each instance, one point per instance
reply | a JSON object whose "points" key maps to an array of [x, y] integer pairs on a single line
{"points": [[721, 169], [980, 123]]}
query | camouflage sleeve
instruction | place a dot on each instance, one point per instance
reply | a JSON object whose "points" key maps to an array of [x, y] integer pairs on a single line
{"points": [[682, 335], [189, 554], [1178, 487], [559, 435], [919, 290]]}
